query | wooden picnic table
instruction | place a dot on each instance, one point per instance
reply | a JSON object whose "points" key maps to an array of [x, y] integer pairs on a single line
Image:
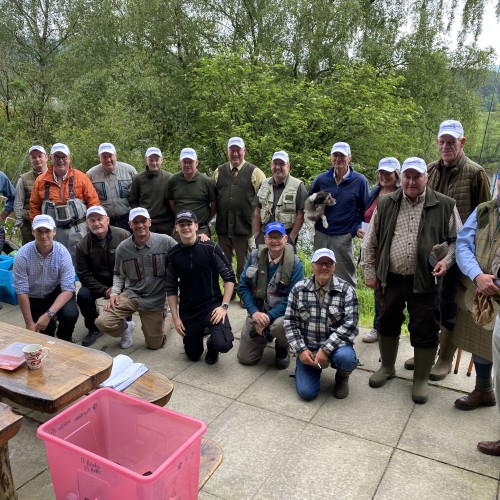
{"points": [[69, 372]]}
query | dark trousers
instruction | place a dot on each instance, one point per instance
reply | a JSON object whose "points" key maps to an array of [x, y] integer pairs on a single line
{"points": [[86, 301], [423, 309], [67, 316], [198, 325], [120, 222], [447, 303]]}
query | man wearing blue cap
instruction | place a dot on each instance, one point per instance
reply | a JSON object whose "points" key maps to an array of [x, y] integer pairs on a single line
{"points": [[350, 191], [321, 323], [265, 283], [407, 228]]}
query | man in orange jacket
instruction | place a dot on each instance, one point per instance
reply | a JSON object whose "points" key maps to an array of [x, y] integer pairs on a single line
{"points": [[65, 194]]}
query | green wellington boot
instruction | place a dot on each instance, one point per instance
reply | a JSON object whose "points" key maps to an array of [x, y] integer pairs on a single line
{"points": [[424, 359], [388, 351], [445, 358]]}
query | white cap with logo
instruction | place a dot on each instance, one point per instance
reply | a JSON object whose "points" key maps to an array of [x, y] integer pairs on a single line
{"points": [[389, 164], [43, 220], [59, 147], [37, 148], [189, 153], [97, 209], [135, 212], [451, 127], [153, 151], [323, 252], [235, 141], [281, 155], [106, 147], [341, 147], [414, 163]]}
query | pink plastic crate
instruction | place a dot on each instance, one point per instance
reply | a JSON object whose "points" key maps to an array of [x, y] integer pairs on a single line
{"points": [[112, 446]]}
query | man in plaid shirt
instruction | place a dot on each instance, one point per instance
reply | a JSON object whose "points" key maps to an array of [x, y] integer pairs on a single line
{"points": [[321, 322]]}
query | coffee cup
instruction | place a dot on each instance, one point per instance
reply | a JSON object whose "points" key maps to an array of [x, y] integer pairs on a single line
{"points": [[34, 354]]}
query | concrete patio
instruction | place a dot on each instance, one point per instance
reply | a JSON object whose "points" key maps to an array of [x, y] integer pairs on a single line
{"points": [[376, 444]]}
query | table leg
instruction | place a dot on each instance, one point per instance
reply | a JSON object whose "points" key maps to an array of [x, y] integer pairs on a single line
{"points": [[7, 489]]}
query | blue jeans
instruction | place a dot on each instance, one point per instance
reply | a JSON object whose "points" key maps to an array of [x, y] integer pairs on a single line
{"points": [[307, 378]]}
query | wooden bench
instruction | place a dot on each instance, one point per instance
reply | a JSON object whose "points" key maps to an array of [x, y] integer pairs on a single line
{"points": [[152, 387], [10, 423], [210, 459]]}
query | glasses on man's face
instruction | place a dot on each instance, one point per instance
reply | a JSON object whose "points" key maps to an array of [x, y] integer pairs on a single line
{"points": [[275, 237], [328, 265], [60, 158]]}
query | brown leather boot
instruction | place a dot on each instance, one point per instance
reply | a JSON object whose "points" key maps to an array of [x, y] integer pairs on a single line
{"points": [[475, 399]]}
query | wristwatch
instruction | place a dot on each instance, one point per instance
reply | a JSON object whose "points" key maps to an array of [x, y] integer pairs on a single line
{"points": [[225, 306], [50, 313]]}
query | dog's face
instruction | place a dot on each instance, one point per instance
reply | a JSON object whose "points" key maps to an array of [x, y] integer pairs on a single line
{"points": [[324, 198], [316, 204]]}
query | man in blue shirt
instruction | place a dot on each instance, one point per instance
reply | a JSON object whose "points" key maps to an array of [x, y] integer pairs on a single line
{"points": [[350, 191], [269, 274], [44, 280]]}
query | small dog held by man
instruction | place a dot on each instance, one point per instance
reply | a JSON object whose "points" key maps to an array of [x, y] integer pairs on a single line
{"points": [[315, 206]]}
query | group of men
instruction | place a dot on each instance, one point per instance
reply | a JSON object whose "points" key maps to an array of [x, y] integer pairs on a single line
{"points": [[408, 257]]}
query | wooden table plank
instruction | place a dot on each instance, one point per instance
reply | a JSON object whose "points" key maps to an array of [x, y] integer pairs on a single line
{"points": [[152, 387], [210, 459], [69, 372]]}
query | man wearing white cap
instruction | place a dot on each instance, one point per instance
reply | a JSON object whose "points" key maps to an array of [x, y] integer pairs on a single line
{"points": [[94, 264], [189, 190], [237, 182], [321, 323], [457, 176], [64, 193], [280, 198], [139, 284], [406, 227], [350, 191], [44, 280], [38, 159], [112, 181], [149, 190]]}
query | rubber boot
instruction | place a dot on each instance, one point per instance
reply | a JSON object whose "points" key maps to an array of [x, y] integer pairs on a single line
{"points": [[410, 364], [341, 389], [424, 359], [388, 351], [446, 351]]}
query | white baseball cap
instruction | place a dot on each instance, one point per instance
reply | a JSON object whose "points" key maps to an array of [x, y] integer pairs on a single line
{"points": [[235, 141], [341, 147], [43, 220], [451, 127], [281, 155], [188, 153], [106, 147], [59, 147], [96, 210], [323, 252], [153, 151], [135, 212], [37, 148], [414, 163], [389, 164]]}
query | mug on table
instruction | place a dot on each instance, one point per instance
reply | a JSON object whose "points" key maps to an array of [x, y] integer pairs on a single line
{"points": [[34, 354]]}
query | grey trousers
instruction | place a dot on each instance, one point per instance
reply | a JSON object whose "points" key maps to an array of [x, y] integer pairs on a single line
{"points": [[252, 348], [341, 244], [496, 359]]}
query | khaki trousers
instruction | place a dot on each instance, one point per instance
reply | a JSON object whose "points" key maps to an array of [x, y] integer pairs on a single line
{"points": [[237, 245]]}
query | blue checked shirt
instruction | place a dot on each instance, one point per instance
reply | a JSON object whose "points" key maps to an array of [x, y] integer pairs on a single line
{"points": [[330, 325], [37, 276]]}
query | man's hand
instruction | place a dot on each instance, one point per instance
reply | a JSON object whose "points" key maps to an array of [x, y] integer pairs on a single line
{"points": [[307, 358], [486, 284], [440, 269], [42, 323], [31, 326], [179, 326], [322, 358], [218, 315], [112, 302], [360, 233], [373, 283], [107, 293], [261, 319], [203, 237]]}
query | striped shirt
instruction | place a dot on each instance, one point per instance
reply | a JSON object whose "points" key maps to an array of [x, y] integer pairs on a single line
{"points": [[328, 325], [37, 276]]}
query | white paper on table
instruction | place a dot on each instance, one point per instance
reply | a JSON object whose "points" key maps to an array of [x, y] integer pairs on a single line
{"points": [[124, 373]]}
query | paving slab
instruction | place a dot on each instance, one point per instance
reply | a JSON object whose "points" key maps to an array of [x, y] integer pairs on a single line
{"points": [[439, 431], [362, 414], [413, 477], [255, 442], [39, 488], [326, 464]]}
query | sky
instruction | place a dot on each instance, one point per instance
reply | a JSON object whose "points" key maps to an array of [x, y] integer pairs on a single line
{"points": [[490, 37]]}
